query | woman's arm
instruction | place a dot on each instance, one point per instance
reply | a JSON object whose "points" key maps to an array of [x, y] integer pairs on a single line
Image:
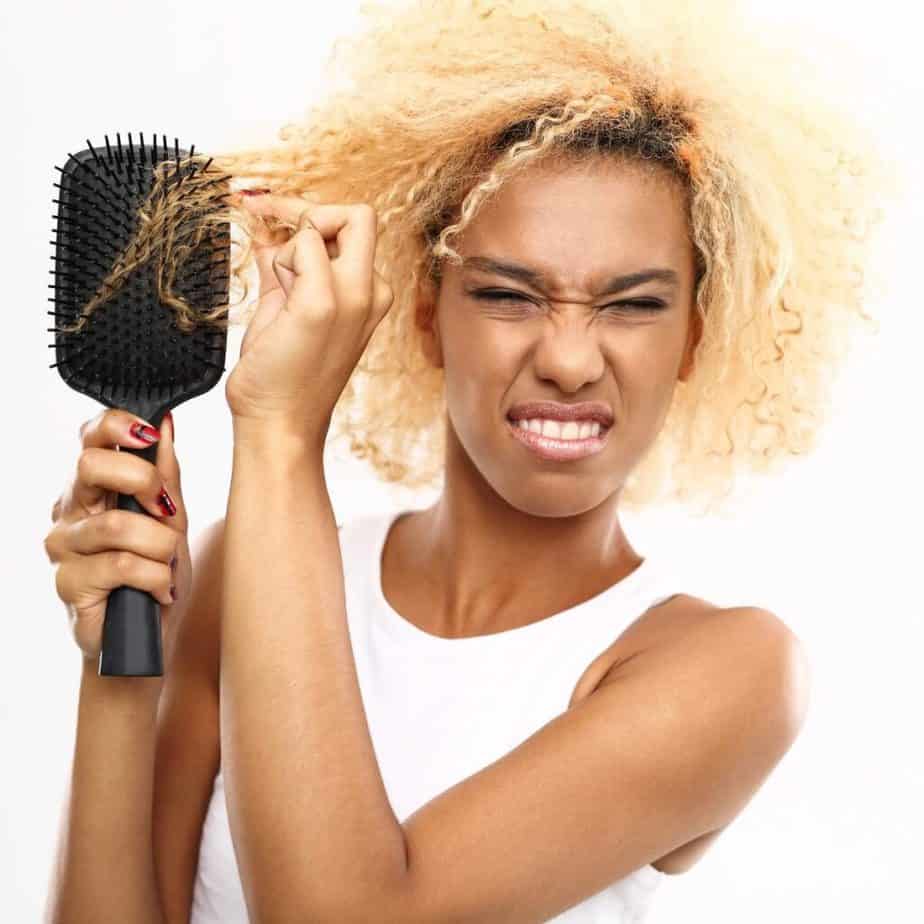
{"points": [[104, 866], [188, 754], [307, 806]]}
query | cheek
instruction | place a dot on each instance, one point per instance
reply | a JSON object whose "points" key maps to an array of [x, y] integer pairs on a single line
{"points": [[479, 360]]}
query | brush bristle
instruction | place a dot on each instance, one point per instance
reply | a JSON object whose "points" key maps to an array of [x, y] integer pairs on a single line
{"points": [[131, 353]]}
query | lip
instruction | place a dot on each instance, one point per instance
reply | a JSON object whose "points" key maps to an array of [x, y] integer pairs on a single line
{"points": [[558, 450], [552, 410]]}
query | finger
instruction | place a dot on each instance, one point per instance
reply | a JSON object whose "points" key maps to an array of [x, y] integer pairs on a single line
{"points": [[264, 259], [305, 272], [113, 529], [111, 428], [328, 218], [117, 427], [169, 467], [354, 267], [104, 571], [382, 299], [101, 470]]}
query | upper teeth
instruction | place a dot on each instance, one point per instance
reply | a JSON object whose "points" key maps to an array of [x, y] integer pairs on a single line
{"points": [[557, 429]]}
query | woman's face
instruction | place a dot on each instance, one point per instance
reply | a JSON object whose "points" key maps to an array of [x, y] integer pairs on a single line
{"points": [[561, 337]]}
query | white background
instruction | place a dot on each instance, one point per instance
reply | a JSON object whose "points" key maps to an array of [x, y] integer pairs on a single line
{"points": [[832, 547]]}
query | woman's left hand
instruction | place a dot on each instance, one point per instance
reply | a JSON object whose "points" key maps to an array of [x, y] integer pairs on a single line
{"points": [[320, 301]]}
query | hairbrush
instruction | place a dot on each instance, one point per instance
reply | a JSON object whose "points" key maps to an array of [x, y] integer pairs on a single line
{"points": [[128, 351]]}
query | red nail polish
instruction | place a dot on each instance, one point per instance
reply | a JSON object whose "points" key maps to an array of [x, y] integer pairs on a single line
{"points": [[172, 425], [166, 503], [141, 431], [254, 192]]}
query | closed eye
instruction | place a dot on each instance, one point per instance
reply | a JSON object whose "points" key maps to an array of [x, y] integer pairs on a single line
{"points": [[502, 295]]}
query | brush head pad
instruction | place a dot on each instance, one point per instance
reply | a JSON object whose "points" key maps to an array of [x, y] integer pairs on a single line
{"points": [[129, 351]]}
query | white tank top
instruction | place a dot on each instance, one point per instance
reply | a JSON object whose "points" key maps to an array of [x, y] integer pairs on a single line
{"points": [[441, 709]]}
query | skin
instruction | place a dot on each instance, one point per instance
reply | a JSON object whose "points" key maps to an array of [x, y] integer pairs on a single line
{"points": [[498, 497], [486, 557], [479, 561], [668, 751]]}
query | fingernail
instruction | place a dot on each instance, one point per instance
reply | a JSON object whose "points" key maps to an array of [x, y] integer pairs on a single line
{"points": [[253, 192], [166, 503], [144, 432], [172, 426]]}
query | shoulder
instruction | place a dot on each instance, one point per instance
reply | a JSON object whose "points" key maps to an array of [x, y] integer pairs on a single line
{"points": [[733, 685], [767, 643], [737, 652], [724, 639], [762, 640]]}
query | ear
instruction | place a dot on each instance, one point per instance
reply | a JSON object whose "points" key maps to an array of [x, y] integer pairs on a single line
{"points": [[694, 335], [425, 321]]}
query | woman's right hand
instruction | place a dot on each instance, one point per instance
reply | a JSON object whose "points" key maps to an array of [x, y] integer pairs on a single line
{"points": [[97, 546]]}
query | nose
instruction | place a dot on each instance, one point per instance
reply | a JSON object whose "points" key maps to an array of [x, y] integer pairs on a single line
{"points": [[568, 352]]}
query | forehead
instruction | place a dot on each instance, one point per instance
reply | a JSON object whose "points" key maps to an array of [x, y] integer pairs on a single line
{"points": [[580, 223]]}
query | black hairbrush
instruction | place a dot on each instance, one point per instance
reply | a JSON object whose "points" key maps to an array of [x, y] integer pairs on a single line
{"points": [[128, 351]]}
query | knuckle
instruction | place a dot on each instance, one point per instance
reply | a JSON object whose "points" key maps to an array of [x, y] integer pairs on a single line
{"points": [[112, 524], [365, 212], [50, 544], [85, 462], [384, 295], [61, 583], [121, 561], [95, 422]]}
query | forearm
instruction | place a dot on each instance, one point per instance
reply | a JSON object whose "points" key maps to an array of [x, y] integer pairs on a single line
{"points": [[307, 804], [104, 865]]}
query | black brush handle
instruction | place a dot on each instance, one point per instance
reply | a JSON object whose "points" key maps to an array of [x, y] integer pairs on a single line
{"points": [[132, 645]]}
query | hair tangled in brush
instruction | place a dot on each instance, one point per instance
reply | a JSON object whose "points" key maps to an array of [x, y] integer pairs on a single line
{"points": [[447, 100]]}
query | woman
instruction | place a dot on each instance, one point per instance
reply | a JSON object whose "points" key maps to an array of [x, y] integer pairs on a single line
{"points": [[494, 708]]}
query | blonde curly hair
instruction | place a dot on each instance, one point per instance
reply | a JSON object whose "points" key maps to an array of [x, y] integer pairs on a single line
{"points": [[446, 100]]}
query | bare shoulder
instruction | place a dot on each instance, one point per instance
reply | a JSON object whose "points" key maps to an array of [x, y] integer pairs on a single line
{"points": [[668, 619], [721, 648], [672, 622]]}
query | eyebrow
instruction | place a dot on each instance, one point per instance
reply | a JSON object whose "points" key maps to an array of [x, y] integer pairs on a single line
{"points": [[538, 280]]}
